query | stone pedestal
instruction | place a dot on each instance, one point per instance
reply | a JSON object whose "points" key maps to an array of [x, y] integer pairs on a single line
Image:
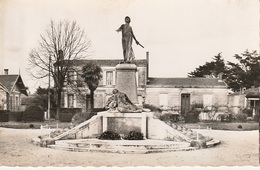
{"points": [[123, 123], [126, 80]]}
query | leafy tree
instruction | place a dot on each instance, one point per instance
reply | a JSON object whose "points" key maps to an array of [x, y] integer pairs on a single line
{"points": [[42, 96], [61, 43], [91, 73], [213, 68], [245, 73]]}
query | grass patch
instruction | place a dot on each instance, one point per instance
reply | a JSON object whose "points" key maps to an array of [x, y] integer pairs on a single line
{"points": [[246, 126], [36, 125]]}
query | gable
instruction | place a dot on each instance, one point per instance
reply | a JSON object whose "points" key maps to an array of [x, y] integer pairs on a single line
{"points": [[3, 88], [11, 82]]}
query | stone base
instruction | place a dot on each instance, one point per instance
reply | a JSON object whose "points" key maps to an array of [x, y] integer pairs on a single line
{"points": [[126, 80], [123, 123]]}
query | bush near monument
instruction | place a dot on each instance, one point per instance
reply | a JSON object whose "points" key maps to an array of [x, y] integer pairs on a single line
{"points": [[133, 135], [33, 113], [109, 135]]}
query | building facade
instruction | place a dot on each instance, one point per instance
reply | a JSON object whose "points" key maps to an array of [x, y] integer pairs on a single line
{"points": [[76, 93], [183, 93], [12, 89], [180, 93]]}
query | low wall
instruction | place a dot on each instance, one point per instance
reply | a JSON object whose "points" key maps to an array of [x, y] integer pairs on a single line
{"points": [[157, 129], [123, 123], [93, 129]]}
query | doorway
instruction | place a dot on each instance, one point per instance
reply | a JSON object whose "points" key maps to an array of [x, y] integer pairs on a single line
{"points": [[185, 103]]}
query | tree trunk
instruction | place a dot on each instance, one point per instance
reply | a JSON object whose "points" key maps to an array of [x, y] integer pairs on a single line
{"points": [[92, 101], [58, 103]]}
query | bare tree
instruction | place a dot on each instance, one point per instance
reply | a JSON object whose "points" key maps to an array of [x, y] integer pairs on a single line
{"points": [[61, 43]]}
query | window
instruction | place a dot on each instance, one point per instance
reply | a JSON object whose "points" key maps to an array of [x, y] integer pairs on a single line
{"points": [[11, 103], [109, 78], [72, 77], [16, 103], [207, 101], [70, 100]]}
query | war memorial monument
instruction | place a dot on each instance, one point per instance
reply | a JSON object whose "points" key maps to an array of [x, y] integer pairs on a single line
{"points": [[124, 115]]}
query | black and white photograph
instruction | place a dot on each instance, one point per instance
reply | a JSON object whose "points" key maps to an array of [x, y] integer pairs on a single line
{"points": [[129, 83]]}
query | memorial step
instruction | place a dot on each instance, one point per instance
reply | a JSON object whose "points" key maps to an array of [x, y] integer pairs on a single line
{"points": [[143, 144], [119, 150]]}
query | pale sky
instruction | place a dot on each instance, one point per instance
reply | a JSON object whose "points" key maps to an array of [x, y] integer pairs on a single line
{"points": [[180, 35]]}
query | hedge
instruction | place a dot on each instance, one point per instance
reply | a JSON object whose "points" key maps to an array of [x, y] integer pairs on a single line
{"points": [[65, 116], [15, 116], [4, 116], [33, 113]]}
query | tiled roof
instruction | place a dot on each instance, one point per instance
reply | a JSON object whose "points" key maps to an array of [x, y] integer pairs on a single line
{"points": [[108, 63], [3, 87], [186, 82], [9, 81]]}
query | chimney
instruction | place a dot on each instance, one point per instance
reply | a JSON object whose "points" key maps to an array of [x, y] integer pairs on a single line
{"points": [[5, 71], [147, 66], [61, 57]]}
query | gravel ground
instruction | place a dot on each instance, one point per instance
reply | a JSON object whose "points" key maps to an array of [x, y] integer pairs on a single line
{"points": [[238, 148]]}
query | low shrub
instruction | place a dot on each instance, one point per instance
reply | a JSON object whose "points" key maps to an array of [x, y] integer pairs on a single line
{"points": [[226, 117], [65, 116], [241, 117], [33, 113], [133, 135], [248, 112], [191, 116], [15, 116], [109, 135], [169, 117]]}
